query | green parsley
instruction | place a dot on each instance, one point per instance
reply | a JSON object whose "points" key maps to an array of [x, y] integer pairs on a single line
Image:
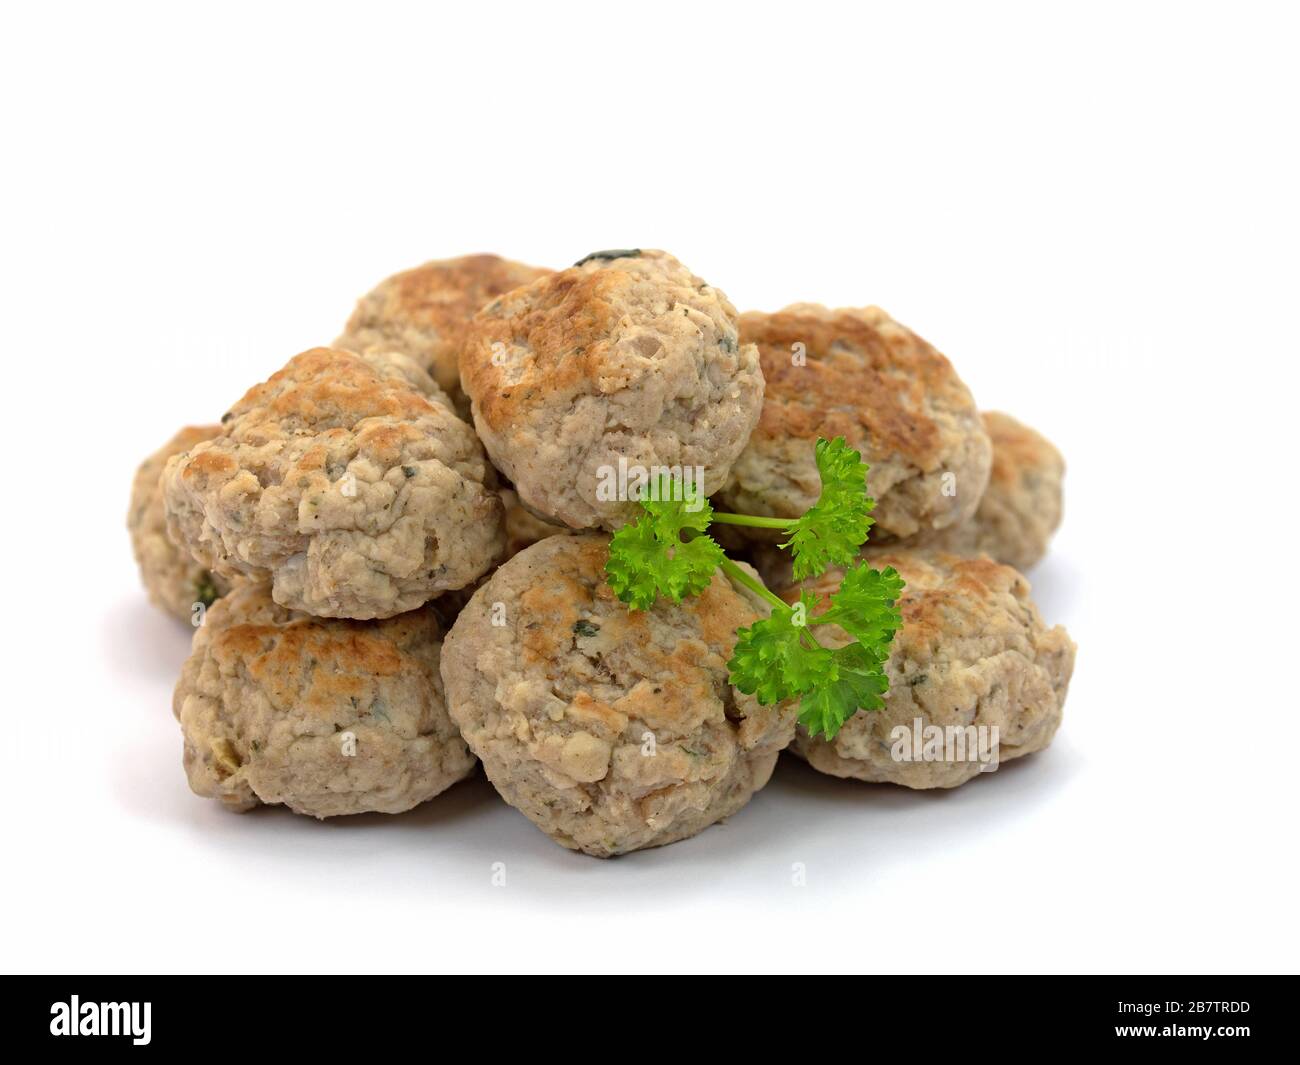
{"points": [[779, 657], [612, 253], [649, 558], [205, 589], [667, 552]]}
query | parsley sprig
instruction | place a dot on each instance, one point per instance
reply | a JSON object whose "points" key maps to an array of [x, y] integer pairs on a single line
{"points": [[649, 558], [667, 551]]}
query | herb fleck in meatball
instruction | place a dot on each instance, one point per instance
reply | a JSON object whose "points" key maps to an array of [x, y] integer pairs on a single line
{"points": [[348, 481], [973, 650], [625, 362], [425, 312], [860, 375], [611, 729], [325, 716], [174, 581]]}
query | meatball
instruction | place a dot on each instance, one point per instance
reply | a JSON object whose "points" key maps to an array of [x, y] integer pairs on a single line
{"points": [[860, 375], [173, 580], [973, 651], [1022, 505], [326, 716], [348, 482], [611, 729], [523, 527], [425, 312], [1015, 520], [594, 377]]}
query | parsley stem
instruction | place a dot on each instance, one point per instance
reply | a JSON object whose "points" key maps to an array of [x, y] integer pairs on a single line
{"points": [[752, 583], [723, 518], [737, 574]]}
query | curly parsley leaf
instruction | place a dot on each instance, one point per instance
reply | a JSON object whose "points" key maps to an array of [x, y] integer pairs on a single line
{"points": [[866, 607], [649, 558], [833, 529], [863, 605], [778, 658], [860, 684], [667, 551]]}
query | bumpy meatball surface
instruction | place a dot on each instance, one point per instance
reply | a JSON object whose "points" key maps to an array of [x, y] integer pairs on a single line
{"points": [[625, 362], [610, 729], [973, 650], [348, 481], [858, 374], [1017, 515], [425, 312], [326, 716], [1022, 506], [173, 580]]}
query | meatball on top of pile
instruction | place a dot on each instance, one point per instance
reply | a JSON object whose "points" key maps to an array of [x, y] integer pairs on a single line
{"points": [[973, 650], [625, 362], [611, 729], [174, 581], [348, 481], [425, 312], [860, 375], [1022, 505], [325, 716]]}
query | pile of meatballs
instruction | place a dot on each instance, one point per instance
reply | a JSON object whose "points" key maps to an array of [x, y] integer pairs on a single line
{"points": [[393, 550]]}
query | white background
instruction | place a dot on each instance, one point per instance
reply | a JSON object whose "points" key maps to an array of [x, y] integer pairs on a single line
{"points": [[1091, 209]]}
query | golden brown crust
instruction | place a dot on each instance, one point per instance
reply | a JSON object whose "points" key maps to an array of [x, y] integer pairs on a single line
{"points": [[858, 374], [967, 588], [345, 479], [349, 651], [611, 729], [940, 589], [867, 379], [425, 312], [619, 361], [964, 579], [574, 587], [327, 388], [326, 716], [567, 323], [1018, 448]]}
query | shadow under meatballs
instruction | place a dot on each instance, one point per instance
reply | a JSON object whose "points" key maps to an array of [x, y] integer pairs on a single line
{"points": [[429, 851], [467, 842], [805, 829], [459, 806], [888, 823]]}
